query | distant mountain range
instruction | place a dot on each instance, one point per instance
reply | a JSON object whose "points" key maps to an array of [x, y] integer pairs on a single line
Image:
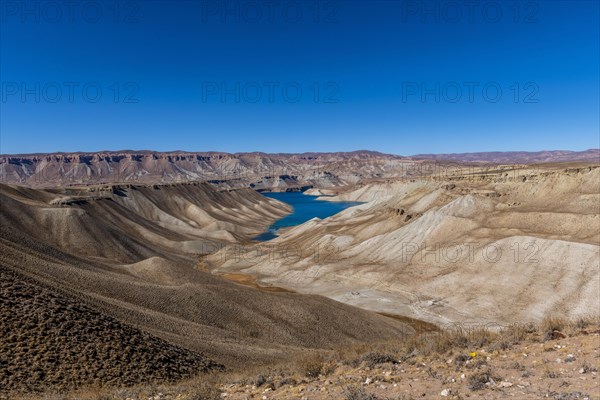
{"points": [[517, 157], [258, 170]]}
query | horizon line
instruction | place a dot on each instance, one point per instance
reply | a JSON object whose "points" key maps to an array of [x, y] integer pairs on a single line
{"points": [[290, 153]]}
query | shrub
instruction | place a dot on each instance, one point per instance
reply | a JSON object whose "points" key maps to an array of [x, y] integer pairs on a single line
{"points": [[479, 380], [312, 366], [260, 380], [358, 393], [551, 324], [374, 358]]}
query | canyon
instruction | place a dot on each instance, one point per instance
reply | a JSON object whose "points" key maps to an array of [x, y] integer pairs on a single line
{"points": [[160, 248]]}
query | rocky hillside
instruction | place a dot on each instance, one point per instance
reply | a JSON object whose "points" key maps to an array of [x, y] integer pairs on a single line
{"points": [[257, 170], [45, 337], [496, 246], [521, 363]]}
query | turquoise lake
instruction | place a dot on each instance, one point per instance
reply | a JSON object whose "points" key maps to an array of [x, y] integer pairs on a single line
{"points": [[304, 208]]}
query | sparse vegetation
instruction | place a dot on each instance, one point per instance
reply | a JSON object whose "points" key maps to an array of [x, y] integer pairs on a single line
{"points": [[373, 359], [479, 380], [358, 393], [312, 366], [552, 328], [49, 342], [427, 354]]}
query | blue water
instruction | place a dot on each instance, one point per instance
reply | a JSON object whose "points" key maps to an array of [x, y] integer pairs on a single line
{"points": [[304, 208]]}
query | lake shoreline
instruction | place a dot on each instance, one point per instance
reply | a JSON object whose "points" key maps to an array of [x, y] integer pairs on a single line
{"points": [[304, 208]]}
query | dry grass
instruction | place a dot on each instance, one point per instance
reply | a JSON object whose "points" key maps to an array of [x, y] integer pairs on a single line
{"points": [[50, 342], [358, 393], [458, 343], [312, 366]]}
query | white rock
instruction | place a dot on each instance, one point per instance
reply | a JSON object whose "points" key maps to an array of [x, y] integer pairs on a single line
{"points": [[445, 392], [368, 381]]}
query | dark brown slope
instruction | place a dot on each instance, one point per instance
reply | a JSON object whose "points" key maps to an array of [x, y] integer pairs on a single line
{"points": [[50, 341], [230, 323]]}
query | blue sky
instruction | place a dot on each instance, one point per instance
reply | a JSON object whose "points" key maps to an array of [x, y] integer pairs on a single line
{"points": [[402, 77]]}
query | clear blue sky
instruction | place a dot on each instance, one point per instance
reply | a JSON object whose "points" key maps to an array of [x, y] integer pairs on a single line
{"points": [[373, 75]]}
